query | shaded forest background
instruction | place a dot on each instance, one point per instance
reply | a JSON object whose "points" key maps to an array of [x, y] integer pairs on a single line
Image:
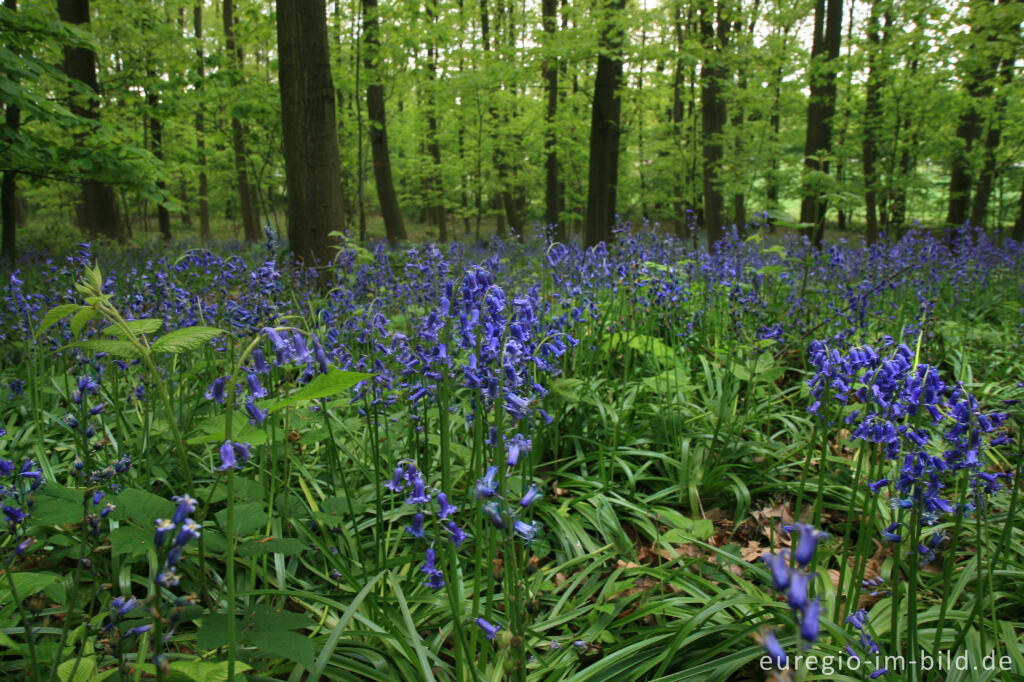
{"points": [[468, 117]]}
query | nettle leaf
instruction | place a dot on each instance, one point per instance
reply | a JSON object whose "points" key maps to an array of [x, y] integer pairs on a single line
{"points": [[82, 318], [120, 349], [55, 504], [186, 339], [248, 518], [267, 628], [323, 386], [55, 315], [134, 542], [147, 326]]}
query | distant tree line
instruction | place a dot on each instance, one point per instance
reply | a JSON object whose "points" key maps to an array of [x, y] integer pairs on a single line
{"points": [[569, 113]]}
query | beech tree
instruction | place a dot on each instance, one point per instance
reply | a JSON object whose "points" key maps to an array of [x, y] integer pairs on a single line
{"points": [[308, 123]]}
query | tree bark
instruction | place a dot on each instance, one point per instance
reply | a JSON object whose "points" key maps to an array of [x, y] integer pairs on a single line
{"points": [[250, 220], [97, 210], [156, 140], [605, 130], [552, 188], [375, 110], [204, 189], [8, 186], [872, 121], [312, 165], [986, 179], [713, 115], [828, 19], [436, 185], [1018, 226]]}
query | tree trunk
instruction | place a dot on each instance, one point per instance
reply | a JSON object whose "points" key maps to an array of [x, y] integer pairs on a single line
{"points": [[156, 140], [872, 121], [986, 180], [204, 188], [1018, 226], [312, 165], [8, 186], [97, 210], [552, 193], [606, 114], [713, 115], [980, 71], [436, 185], [828, 19], [250, 220], [393, 225]]}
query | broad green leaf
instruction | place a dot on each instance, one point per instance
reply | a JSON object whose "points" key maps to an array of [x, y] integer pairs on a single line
{"points": [[120, 349], [270, 546], [248, 517], [80, 319], [141, 507], [55, 315], [56, 504], [186, 339], [285, 644], [323, 386], [147, 326], [201, 671], [131, 541], [82, 670], [26, 584]]}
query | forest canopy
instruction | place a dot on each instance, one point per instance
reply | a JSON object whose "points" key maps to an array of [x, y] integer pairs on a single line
{"points": [[494, 116]]}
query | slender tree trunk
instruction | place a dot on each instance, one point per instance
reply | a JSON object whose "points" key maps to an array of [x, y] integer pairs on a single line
{"points": [[393, 225], [979, 75], [1018, 226], [8, 186], [312, 164], [250, 220], [550, 67], [986, 179], [437, 210], [204, 188], [828, 19], [605, 130], [156, 140], [97, 210], [713, 115], [872, 122]]}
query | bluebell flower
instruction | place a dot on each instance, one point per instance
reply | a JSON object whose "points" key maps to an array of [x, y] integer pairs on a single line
{"points": [[486, 486], [216, 390], [780, 569], [809, 624], [416, 529], [490, 631], [256, 415], [233, 455], [434, 579], [256, 390], [418, 494], [517, 445], [527, 531], [458, 536], [163, 527], [185, 506], [807, 544], [529, 496], [446, 509], [397, 481]]}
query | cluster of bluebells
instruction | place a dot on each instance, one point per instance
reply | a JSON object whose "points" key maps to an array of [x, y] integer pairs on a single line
{"points": [[408, 477], [932, 429], [793, 581], [184, 530], [16, 487]]}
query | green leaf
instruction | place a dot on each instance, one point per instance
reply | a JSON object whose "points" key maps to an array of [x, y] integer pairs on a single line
{"points": [[286, 644], [186, 339], [120, 349], [323, 386], [147, 326], [141, 507], [26, 584], [54, 315], [131, 541], [56, 504], [248, 518], [271, 546], [82, 670], [80, 319], [201, 671]]}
